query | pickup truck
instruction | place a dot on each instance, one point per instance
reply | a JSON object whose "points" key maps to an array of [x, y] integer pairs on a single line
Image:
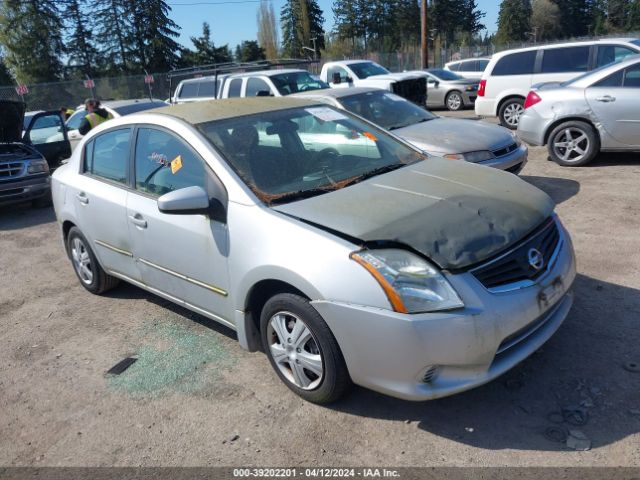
{"points": [[365, 73]]}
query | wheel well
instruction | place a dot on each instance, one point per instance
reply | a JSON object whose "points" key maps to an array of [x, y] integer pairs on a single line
{"points": [[261, 292], [569, 119], [66, 226], [504, 100]]}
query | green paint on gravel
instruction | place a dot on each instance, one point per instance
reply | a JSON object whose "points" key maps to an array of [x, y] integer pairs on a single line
{"points": [[174, 357]]}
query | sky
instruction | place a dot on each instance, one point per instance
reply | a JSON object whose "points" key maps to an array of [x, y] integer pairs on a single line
{"points": [[233, 21]]}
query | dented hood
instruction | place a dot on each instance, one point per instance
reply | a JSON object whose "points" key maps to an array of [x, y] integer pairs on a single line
{"points": [[11, 118], [455, 213]]}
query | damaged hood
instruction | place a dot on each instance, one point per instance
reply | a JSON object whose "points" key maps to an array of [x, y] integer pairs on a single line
{"points": [[455, 135], [11, 118], [455, 213]]}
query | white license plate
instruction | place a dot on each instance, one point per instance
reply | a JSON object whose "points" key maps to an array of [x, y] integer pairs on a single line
{"points": [[551, 293]]}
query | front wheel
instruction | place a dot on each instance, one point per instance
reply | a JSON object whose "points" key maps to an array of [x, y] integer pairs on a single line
{"points": [[454, 101], [572, 144], [510, 112], [302, 349]]}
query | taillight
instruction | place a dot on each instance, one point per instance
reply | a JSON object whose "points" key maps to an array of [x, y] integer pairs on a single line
{"points": [[482, 87], [531, 100]]}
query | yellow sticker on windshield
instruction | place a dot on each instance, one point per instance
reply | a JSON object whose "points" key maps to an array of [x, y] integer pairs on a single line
{"points": [[176, 164], [370, 136]]}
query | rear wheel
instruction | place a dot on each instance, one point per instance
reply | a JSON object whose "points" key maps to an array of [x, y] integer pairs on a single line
{"points": [[572, 144], [510, 112], [454, 101], [88, 270], [302, 349]]}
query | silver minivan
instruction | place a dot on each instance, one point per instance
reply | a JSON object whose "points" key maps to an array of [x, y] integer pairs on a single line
{"points": [[362, 261]]}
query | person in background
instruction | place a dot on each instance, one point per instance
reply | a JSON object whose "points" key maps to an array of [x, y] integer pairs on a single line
{"points": [[65, 113], [95, 116]]}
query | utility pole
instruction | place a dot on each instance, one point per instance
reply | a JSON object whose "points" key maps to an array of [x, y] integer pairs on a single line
{"points": [[424, 33]]}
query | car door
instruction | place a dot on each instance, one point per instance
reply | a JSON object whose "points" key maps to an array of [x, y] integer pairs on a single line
{"points": [[73, 124], [47, 133], [436, 92], [182, 256], [100, 196], [615, 101]]}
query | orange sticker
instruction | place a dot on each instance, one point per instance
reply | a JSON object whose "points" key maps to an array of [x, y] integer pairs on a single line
{"points": [[176, 164], [370, 136]]}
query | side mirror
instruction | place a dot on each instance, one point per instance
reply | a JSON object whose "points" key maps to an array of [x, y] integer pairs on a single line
{"points": [[349, 80], [192, 201], [336, 78]]}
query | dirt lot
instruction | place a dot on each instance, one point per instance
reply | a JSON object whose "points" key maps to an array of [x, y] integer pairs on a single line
{"points": [[196, 398]]}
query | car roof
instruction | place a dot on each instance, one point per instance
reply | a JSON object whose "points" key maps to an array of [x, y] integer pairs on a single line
{"points": [[267, 73], [337, 92], [211, 110], [206, 78], [577, 43]]}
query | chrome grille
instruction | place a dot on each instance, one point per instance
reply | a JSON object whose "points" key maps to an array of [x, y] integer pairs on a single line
{"points": [[10, 170], [506, 150], [514, 266]]}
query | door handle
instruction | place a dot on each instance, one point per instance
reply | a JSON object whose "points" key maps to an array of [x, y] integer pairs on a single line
{"points": [[82, 198], [138, 221], [606, 99]]}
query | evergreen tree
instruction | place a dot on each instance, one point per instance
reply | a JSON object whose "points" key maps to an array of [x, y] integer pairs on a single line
{"points": [[406, 23], [576, 17], [30, 33], [79, 46], [449, 17], [113, 33], [205, 50], [617, 14], [514, 21], [249, 51], [545, 19], [349, 24], [5, 75], [301, 21], [633, 20]]}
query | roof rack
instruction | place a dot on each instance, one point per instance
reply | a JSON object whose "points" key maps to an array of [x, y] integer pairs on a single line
{"points": [[215, 69]]}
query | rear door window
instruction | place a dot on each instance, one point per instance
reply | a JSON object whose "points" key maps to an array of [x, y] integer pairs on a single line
{"points": [[207, 88], [107, 155], [469, 66], [632, 77], [570, 59], [256, 85], [235, 87], [516, 64], [481, 65], [613, 80]]}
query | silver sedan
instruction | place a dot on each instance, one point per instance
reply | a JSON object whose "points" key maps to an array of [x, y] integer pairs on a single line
{"points": [[450, 90], [598, 111], [354, 260], [451, 138]]}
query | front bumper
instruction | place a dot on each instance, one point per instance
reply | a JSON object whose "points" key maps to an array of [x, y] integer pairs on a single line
{"points": [[25, 190], [513, 162], [392, 353]]}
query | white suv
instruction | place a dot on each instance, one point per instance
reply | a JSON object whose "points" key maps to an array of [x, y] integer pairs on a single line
{"points": [[510, 74]]}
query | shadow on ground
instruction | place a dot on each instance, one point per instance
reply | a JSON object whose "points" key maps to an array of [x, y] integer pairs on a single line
{"points": [[559, 189], [609, 159], [23, 215], [581, 366]]}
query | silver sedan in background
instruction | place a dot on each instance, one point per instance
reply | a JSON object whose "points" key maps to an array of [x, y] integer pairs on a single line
{"points": [[597, 111], [451, 138], [450, 90]]}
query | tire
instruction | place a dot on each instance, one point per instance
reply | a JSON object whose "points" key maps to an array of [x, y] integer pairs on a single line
{"points": [[510, 112], [88, 270], [572, 144], [454, 101], [327, 379]]}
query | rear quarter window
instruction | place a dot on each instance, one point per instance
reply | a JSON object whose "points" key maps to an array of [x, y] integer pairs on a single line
{"points": [[515, 64], [454, 67]]}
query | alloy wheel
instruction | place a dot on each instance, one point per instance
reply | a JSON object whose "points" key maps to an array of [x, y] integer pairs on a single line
{"points": [[81, 261], [454, 102], [512, 114], [295, 350], [571, 145]]}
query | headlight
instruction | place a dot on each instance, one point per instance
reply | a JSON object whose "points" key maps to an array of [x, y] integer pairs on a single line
{"points": [[38, 166], [412, 284], [472, 157], [516, 139]]}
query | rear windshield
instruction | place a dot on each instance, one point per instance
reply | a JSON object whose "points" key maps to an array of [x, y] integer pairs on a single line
{"points": [[367, 69], [288, 83], [292, 154], [444, 74], [636, 42], [138, 107]]}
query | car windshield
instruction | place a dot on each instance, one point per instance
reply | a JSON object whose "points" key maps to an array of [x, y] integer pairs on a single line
{"points": [[444, 74], [636, 42], [138, 107], [586, 74], [367, 69], [288, 155], [27, 120], [386, 109], [288, 83]]}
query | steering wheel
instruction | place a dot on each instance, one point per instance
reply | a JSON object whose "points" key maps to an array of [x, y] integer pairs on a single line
{"points": [[328, 154]]}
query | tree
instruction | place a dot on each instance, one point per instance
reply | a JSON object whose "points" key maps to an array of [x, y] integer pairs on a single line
{"points": [[633, 21], [249, 51], [456, 18], [302, 25], [113, 32], [80, 50], [617, 14], [545, 19], [205, 50], [514, 21], [268, 30], [349, 24], [576, 17], [31, 34], [5, 75]]}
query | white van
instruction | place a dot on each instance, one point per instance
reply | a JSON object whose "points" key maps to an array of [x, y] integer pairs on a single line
{"points": [[507, 79], [469, 67]]}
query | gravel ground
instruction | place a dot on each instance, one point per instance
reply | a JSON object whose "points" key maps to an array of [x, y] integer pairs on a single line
{"points": [[195, 398]]}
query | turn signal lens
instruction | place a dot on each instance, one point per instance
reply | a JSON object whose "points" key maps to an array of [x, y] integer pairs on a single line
{"points": [[482, 87], [531, 100]]}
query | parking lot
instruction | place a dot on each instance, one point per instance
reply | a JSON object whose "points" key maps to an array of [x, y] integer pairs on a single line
{"points": [[195, 398]]}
